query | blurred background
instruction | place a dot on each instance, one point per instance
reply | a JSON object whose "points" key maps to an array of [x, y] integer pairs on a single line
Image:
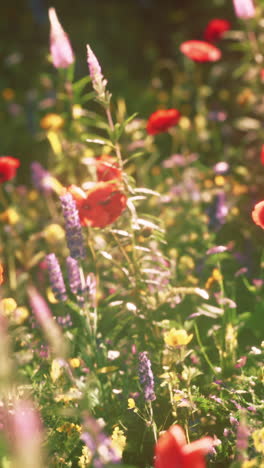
{"points": [[129, 38]]}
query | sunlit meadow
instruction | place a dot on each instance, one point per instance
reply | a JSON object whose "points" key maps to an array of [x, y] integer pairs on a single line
{"points": [[131, 263]]}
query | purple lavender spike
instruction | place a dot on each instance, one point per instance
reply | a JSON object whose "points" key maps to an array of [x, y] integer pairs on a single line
{"points": [[56, 278], [146, 376], [72, 226], [74, 275]]}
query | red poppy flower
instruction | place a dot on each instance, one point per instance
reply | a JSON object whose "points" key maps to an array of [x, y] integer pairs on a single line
{"points": [[262, 155], [1, 274], [172, 450], [161, 120], [106, 168], [215, 29], [101, 205], [200, 51], [258, 214], [8, 168]]}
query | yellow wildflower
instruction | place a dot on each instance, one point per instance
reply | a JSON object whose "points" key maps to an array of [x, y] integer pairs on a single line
{"points": [[249, 463], [246, 97], [77, 111], [54, 233], [9, 216], [176, 338], [219, 180], [52, 122], [258, 439], [186, 262], [234, 211], [33, 195], [178, 397], [75, 362], [200, 122], [184, 123], [71, 395], [131, 403], [118, 440], [8, 306], [56, 369], [51, 297], [216, 277], [6, 463], [69, 428], [86, 457]]}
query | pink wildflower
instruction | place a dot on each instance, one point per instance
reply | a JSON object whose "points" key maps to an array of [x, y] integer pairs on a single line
{"points": [[60, 46], [98, 81], [43, 315], [25, 433], [244, 9]]}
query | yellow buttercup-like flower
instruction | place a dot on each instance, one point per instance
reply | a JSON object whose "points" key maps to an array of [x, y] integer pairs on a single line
{"points": [[249, 463], [9, 216], [258, 439], [52, 122], [8, 306], [69, 428], [184, 123], [75, 362], [118, 440], [86, 457], [56, 369], [176, 338], [131, 403], [216, 277]]}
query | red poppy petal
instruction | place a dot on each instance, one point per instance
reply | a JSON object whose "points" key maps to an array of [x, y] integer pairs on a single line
{"points": [[258, 214], [200, 51]]}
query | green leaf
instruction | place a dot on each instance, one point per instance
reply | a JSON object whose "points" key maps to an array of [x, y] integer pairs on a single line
{"points": [[88, 96], [134, 156], [147, 191], [97, 140], [210, 311], [79, 85]]}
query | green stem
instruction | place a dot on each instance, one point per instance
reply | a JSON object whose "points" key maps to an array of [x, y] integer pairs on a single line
{"points": [[3, 199], [202, 347], [153, 424], [116, 145], [12, 270], [133, 271]]}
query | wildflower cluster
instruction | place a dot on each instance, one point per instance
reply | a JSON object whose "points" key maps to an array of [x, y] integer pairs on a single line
{"points": [[131, 263]]}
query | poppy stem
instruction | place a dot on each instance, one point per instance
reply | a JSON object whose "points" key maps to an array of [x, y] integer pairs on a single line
{"points": [[116, 145], [3, 200]]}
